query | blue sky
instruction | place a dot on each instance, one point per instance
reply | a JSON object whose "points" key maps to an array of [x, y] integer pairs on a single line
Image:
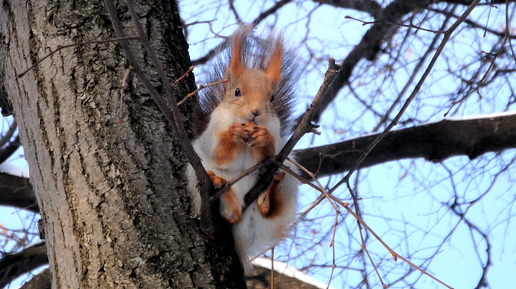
{"points": [[405, 202]]}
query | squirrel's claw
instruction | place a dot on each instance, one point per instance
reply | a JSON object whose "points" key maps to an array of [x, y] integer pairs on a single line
{"points": [[218, 182], [239, 133], [261, 137]]}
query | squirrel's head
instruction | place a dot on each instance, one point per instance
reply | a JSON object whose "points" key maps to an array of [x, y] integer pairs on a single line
{"points": [[250, 92]]}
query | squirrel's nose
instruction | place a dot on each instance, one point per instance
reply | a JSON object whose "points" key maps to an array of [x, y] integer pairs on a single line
{"points": [[255, 111]]}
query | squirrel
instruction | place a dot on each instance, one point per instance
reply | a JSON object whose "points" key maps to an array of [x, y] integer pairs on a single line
{"points": [[242, 123]]}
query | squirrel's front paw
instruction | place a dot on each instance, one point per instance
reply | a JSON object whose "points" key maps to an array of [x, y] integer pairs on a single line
{"points": [[239, 132], [260, 136], [218, 182]]}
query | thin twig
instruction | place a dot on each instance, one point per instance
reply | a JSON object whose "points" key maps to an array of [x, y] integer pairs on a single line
{"points": [[243, 174], [255, 22], [272, 268], [446, 37], [333, 262], [418, 86], [392, 23], [474, 24], [198, 22], [200, 88], [364, 246], [395, 255], [303, 127], [360, 222], [321, 187], [232, 8], [60, 47], [122, 92], [480, 83], [184, 75], [418, 66]]}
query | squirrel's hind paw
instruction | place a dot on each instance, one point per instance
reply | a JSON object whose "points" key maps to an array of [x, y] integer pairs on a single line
{"points": [[263, 202], [230, 207]]}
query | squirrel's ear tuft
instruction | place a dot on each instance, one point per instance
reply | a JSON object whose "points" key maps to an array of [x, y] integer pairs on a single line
{"points": [[273, 69], [237, 66]]}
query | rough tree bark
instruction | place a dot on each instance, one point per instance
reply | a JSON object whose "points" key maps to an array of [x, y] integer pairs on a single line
{"points": [[112, 195]]}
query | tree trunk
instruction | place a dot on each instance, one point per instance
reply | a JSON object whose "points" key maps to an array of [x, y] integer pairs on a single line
{"points": [[112, 195]]}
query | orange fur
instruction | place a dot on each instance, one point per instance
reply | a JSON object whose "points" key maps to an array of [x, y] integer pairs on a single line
{"points": [[218, 182], [236, 66], [271, 203], [232, 209], [246, 126], [262, 144], [228, 148], [273, 69]]}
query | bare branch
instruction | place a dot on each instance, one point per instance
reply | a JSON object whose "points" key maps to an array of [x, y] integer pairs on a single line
{"points": [[17, 192], [371, 7], [17, 264], [370, 45], [440, 48], [8, 134], [434, 142], [10, 149], [212, 53], [373, 39], [40, 281], [303, 127]]}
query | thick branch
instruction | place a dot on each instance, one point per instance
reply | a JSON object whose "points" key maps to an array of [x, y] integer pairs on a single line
{"points": [[14, 265], [303, 127], [370, 45], [8, 135], [212, 53], [17, 192], [10, 149], [40, 281], [468, 2], [381, 32], [434, 142], [369, 6]]}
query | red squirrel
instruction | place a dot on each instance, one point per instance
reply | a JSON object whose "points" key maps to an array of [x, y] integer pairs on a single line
{"points": [[247, 121]]}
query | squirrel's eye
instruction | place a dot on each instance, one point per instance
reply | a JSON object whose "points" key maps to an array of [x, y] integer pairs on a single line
{"points": [[237, 92], [272, 97]]}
